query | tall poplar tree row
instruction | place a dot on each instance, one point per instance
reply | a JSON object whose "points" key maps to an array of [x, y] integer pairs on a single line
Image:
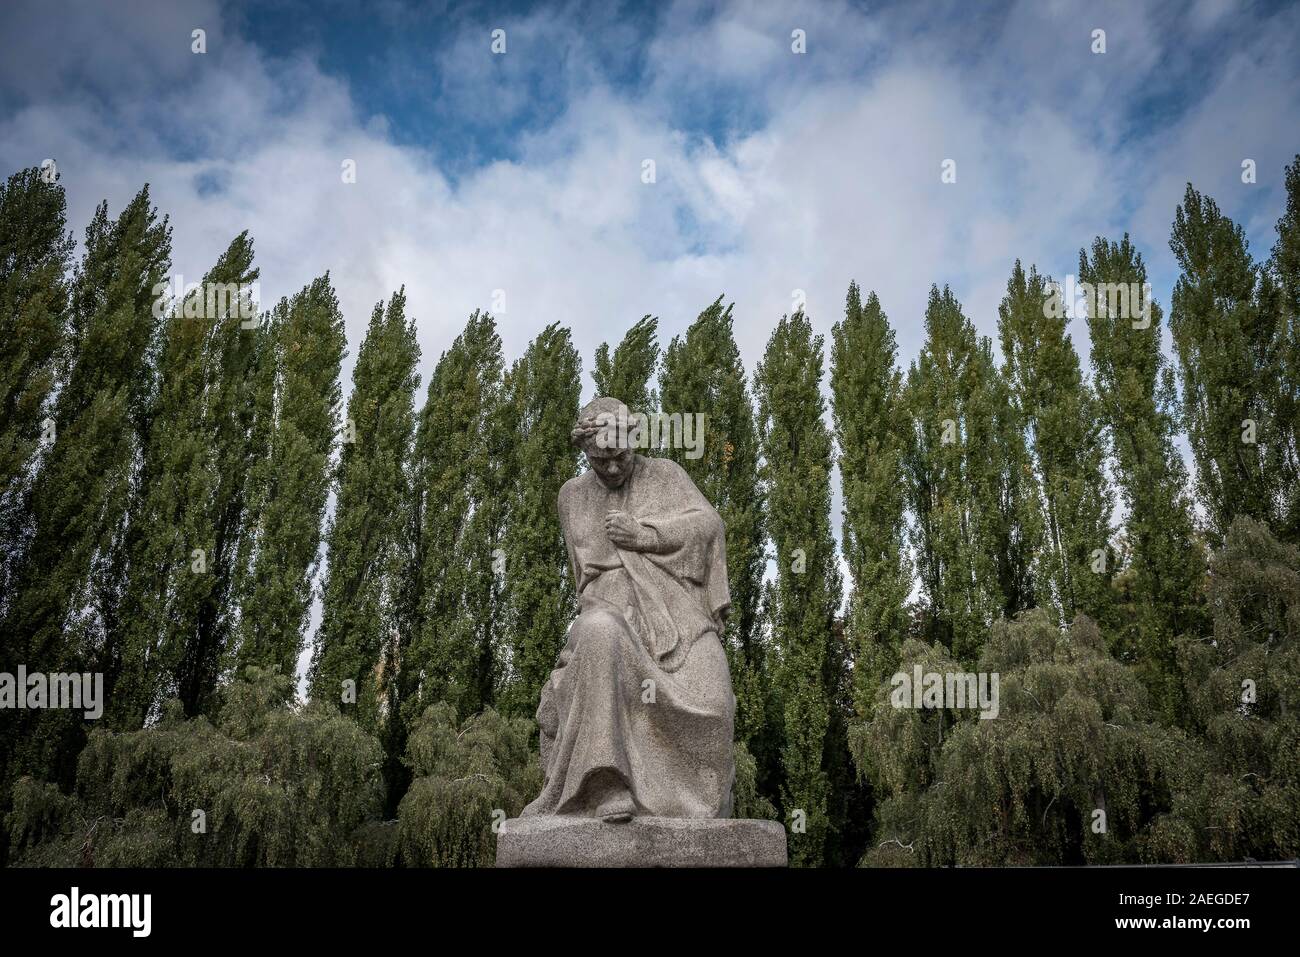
{"points": [[541, 404], [871, 432], [175, 560], [1135, 385], [628, 374], [1064, 433], [67, 594], [35, 251], [365, 538], [970, 487], [164, 477], [797, 463], [702, 374], [291, 483]]}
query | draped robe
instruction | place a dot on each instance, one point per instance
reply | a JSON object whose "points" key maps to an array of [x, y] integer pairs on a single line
{"points": [[655, 616]]}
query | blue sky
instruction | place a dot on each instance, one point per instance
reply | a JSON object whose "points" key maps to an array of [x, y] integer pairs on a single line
{"points": [[388, 54]]}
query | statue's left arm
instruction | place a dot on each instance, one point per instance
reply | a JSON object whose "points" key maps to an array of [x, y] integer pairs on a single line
{"points": [[675, 531]]}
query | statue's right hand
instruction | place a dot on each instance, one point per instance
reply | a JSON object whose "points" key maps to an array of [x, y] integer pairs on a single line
{"points": [[622, 529]]}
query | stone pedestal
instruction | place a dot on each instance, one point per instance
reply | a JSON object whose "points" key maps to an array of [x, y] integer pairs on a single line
{"points": [[641, 842]]}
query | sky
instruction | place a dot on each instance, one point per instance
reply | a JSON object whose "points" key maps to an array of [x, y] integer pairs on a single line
{"points": [[515, 180]]}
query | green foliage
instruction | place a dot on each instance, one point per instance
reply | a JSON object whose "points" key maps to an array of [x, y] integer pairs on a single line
{"points": [[747, 802], [279, 786], [242, 367], [291, 483], [797, 461], [1229, 351], [178, 564], [282, 786], [1074, 735], [35, 249], [970, 485], [1135, 385], [366, 534], [627, 376], [871, 433], [189, 438], [67, 595], [702, 373], [541, 405], [1280, 293], [453, 597], [1064, 434], [468, 777], [1243, 689]]}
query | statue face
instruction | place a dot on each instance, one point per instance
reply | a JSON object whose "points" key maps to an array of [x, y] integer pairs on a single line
{"points": [[612, 466]]}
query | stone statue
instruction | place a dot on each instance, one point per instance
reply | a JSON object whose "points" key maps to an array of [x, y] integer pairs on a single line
{"points": [[637, 717]]}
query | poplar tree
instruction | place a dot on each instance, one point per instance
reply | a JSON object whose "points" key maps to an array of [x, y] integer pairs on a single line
{"points": [[1007, 505], [628, 374], [1135, 386], [67, 593], [1228, 351], [242, 367], [702, 374], [1281, 294], [174, 564], [969, 484], [35, 250], [541, 404], [365, 537], [871, 431], [454, 591], [797, 463], [1064, 433], [292, 481]]}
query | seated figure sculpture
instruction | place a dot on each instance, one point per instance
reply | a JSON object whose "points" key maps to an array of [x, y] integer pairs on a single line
{"points": [[637, 717]]}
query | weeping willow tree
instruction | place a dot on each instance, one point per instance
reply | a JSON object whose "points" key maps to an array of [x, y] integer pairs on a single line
{"points": [[467, 779], [266, 785], [1072, 770], [1243, 688]]}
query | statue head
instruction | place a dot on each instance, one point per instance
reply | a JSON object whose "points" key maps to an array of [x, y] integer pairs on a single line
{"points": [[601, 433]]}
